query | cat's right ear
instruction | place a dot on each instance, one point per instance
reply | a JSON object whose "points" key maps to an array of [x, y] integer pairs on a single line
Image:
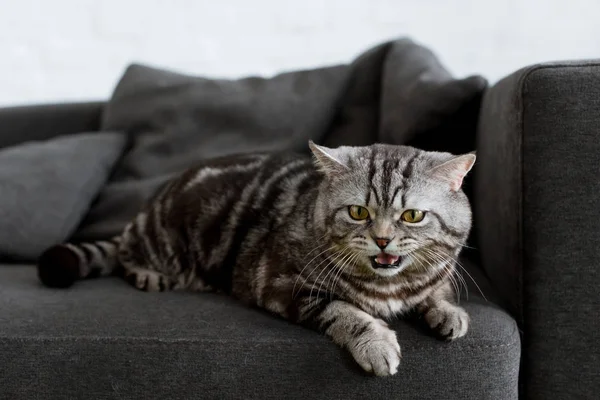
{"points": [[453, 171], [326, 159]]}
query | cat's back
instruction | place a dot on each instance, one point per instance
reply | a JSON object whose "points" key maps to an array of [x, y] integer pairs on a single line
{"points": [[249, 190], [231, 175], [225, 208]]}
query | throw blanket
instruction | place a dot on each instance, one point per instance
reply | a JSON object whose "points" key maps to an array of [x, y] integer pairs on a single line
{"points": [[397, 92]]}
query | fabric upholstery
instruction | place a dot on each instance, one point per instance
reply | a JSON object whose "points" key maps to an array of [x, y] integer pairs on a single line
{"points": [[538, 204], [396, 92], [46, 187], [108, 340], [419, 96], [45, 121], [400, 93]]}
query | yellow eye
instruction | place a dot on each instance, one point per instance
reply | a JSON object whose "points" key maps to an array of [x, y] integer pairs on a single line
{"points": [[358, 213], [412, 216]]}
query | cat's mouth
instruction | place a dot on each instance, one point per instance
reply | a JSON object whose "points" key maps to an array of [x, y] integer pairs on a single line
{"points": [[385, 260]]}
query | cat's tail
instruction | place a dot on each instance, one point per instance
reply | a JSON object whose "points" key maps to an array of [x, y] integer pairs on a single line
{"points": [[61, 265]]}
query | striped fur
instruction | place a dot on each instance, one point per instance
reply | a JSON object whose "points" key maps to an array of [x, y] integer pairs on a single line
{"points": [[274, 231]]}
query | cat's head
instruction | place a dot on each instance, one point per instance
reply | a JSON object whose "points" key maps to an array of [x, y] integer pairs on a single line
{"points": [[387, 209]]}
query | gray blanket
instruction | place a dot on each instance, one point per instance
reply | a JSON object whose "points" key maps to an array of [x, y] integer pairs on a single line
{"points": [[397, 92]]}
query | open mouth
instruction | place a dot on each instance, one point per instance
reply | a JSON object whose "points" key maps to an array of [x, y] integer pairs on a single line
{"points": [[384, 260]]}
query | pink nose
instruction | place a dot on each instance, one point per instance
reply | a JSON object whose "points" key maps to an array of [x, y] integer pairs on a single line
{"points": [[382, 242]]}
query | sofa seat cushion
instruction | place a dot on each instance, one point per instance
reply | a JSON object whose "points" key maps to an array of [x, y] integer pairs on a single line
{"points": [[107, 340]]}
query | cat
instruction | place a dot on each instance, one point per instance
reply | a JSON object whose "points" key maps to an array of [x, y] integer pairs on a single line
{"points": [[338, 241]]}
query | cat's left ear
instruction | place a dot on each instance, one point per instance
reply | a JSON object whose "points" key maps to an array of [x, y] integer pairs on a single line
{"points": [[454, 170], [329, 161]]}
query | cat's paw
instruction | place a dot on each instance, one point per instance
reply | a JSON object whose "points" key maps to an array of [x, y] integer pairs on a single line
{"points": [[377, 350], [448, 321]]}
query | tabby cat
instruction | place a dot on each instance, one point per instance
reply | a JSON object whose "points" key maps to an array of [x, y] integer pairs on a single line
{"points": [[337, 242]]}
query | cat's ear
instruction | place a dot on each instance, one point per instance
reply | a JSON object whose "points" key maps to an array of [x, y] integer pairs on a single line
{"points": [[454, 170], [328, 160]]}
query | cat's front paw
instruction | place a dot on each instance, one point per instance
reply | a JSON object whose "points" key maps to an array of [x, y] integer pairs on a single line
{"points": [[448, 321], [376, 349]]}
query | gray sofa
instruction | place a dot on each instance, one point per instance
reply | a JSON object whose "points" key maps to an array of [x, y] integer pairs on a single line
{"points": [[533, 335]]}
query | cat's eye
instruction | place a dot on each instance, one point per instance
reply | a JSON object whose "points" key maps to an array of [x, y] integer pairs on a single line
{"points": [[358, 213], [412, 216]]}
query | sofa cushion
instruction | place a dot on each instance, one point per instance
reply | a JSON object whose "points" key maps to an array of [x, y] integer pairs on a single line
{"points": [[423, 105], [106, 339], [47, 186]]}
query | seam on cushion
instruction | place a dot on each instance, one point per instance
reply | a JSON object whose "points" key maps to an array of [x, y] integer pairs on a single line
{"points": [[158, 341]]}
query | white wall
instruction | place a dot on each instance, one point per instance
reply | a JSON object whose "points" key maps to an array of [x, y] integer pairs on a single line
{"points": [[61, 50]]}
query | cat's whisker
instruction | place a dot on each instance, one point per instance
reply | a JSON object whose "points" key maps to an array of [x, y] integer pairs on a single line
{"points": [[336, 269], [334, 256], [448, 259], [325, 259], [438, 272], [414, 258], [472, 279], [344, 256], [340, 262], [444, 261], [463, 282], [304, 268], [341, 270], [317, 246], [468, 274], [338, 277], [338, 265]]}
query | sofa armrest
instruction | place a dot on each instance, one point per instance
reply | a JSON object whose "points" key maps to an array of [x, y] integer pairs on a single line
{"points": [[537, 209], [40, 122]]}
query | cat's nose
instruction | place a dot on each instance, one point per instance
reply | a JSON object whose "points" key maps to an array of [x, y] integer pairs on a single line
{"points": [[382, 242]]}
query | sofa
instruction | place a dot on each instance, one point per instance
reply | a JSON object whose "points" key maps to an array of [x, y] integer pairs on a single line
{"points": [[531, 271]]}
